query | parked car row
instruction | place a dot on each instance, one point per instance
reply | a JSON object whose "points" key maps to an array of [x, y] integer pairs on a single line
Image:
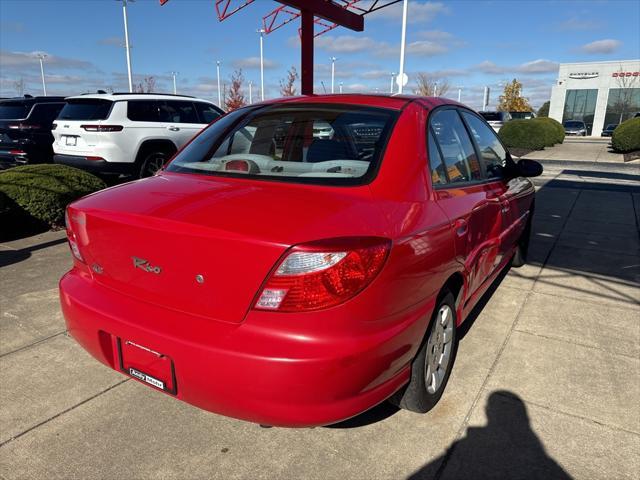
{"points": [[118, 133]]}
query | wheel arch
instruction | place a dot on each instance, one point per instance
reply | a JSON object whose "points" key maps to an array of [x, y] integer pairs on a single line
{"points": [[148, 145]]}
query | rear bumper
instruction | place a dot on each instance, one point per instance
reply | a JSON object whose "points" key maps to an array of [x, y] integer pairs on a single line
{"points": [[248, 370], [94, 166]]}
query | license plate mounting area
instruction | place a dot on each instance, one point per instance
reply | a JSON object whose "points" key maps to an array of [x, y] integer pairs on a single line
{"points": [[146, 365]]}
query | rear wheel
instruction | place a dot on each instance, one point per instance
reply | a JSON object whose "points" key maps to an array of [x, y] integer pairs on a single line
{"points": [[432, 365], [520, 256], [152, 163]]}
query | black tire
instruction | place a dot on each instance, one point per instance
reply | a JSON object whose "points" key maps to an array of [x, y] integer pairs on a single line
{"points": [[419, 396], [152, 162]]}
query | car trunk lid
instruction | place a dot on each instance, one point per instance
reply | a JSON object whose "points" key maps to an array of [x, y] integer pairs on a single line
{"points": [[205, 245]]}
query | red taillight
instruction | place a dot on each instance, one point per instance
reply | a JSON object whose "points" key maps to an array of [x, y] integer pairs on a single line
{"points": [[71, 237], [102, 128], [17, 152], [323, 274], [24, 126], [94, 159]]}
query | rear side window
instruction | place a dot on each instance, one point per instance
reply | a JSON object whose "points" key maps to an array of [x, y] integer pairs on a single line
{"points": [[457, 150], [86, 109], [303, 143], [493, 153], [436, 165], [206, 112], [14, 110], [178, 112], [143, 110], [46, 112]]}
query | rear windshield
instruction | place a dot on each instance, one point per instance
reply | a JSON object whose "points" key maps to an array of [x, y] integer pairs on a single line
{"points": [[574, 124], [521, 115], [89, 109], [303, 143], [492, 116], [14, 110]]}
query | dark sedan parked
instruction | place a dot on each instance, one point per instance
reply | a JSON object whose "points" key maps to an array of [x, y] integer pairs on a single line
{"points": [[607, 132], [25, 129]]}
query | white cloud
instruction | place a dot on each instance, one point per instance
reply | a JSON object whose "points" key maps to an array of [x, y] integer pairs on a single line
{"points": [[600, 47], [19, 60], [533, 67], [112, 41], [426, 48], [254, 62], [346, 43], [577, 24], [538, 66]]}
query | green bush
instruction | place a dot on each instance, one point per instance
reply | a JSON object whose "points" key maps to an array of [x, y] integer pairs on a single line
{"points": [[44, 191], [526, 134], [626, 137], [555, 130]]}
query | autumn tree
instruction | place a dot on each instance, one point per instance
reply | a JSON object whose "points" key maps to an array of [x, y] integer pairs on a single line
{"points": [[288, 85], [147, 85], [430, 86], [512, 100], [543, 111], [235, 98]]}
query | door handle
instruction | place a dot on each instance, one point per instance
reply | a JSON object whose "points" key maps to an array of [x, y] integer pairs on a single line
{"points": [[505, 208], [173, 129], [461, 227]]}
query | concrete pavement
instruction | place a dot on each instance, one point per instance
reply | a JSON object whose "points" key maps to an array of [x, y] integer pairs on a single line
{"points": [[546, 383], [580, 149]]}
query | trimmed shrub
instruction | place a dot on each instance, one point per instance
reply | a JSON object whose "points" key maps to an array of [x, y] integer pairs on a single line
{"points": [[43, 192], [554, 128], [626, 137], [525, 134]]}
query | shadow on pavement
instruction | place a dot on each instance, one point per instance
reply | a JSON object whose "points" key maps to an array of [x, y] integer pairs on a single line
{"points": [[9, 257], [506, 448]]}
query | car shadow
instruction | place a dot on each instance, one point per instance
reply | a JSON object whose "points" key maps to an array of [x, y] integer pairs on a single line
{"points": [[505, 448], [10, 257]]}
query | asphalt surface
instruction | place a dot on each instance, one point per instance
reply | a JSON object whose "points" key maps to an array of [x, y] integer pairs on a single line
{"points": [[546, 384]]}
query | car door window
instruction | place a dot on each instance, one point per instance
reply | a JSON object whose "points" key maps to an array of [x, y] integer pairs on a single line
{"points": [[178, 112], [457, 150], [493, 153], [206, 112], [436, 165], [143, 110]]}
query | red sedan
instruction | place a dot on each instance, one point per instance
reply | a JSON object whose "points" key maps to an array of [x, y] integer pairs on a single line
{"points": [[302, 260]]}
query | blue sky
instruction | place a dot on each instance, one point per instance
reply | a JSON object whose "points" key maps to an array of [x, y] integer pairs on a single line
{"points": [[471, 43]]}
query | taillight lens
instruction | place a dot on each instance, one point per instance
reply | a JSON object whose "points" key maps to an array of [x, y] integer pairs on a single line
{"points": [[71, 237], [24, 126], [323, 274], [102, 128]]}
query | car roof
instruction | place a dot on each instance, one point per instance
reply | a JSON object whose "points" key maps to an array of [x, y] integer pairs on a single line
{"points": [[135, 96], [30, 99], [394, 102]]}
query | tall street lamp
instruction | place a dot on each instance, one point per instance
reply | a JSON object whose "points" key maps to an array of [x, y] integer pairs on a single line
{"points": [[341, 83], [126, 42], [219, 92], [250, 92], [393, 74], [261, 32], [403, 42], [175, 90], [333, 73], [41, 57]]}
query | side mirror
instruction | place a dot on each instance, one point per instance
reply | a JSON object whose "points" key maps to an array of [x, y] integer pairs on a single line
{"points": [[528, 168]]}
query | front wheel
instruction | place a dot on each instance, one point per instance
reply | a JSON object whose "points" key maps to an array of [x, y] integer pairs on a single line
{"points": [[432, 365], [153, 163]]}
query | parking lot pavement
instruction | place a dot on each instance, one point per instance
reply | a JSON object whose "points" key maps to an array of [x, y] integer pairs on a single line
{"points": [[580, 149], [546, 383]]}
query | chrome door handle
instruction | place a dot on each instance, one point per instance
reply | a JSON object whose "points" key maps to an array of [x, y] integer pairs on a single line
{"points": [[174, 129]]}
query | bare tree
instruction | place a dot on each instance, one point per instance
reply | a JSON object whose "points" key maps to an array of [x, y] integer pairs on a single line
{"points": [[288, 85], [626, 85], [431, 86], [19, 86], [235, 99], [147, 85]]}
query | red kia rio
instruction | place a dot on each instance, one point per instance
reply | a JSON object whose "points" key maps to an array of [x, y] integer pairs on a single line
{"points": [[301, 260]]}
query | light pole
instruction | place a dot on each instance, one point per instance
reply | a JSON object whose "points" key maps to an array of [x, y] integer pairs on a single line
{"points": [[175, 90], [459, 94], [41, 57], [393, 74], [435, 89], [341, 87], [250, 92], [333, 72], [261, 32], [403, 41], [126, 42], [219, 92]]}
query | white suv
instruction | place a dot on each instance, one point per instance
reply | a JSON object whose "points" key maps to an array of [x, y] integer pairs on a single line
{"points": [[127, 133]]}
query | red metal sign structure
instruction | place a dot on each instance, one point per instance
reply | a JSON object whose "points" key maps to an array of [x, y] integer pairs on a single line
{"points": [[326, 14]]}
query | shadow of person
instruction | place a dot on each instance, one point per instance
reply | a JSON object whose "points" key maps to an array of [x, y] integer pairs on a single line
{"points": [[506, 448]]}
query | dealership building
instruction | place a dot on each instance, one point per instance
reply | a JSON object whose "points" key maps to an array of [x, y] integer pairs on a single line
{"points": [[598, 93]]}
